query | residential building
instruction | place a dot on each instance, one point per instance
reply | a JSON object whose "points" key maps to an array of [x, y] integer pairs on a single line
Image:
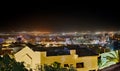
{"points": [[83, 59]]}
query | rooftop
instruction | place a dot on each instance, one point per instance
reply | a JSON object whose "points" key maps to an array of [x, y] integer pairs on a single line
{"points": [[65, 50]]}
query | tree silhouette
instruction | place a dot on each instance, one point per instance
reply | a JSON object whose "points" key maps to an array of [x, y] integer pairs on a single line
{"points": [[56, 66], [9, 64]]}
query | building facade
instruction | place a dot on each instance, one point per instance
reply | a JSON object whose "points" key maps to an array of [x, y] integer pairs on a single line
{"points": [[32, 59]]}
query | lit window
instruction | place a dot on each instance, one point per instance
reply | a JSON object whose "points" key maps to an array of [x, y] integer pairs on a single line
{"points": [[80, 65]]}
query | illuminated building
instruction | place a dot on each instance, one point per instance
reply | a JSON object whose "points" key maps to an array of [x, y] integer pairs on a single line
{"points": [[83, 59]]}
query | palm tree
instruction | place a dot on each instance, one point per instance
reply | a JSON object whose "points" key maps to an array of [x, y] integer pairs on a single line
{"points": [[119, 56], [113, 57]]}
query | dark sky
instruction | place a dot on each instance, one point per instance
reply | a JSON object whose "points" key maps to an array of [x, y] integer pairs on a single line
{"points": [[60, 18]]}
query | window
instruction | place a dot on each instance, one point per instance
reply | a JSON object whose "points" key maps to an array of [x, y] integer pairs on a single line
{"points": [[66, 65], [92, 70], [80, 65]]}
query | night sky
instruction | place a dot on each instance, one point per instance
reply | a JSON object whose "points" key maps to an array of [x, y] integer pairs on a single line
{"points": [[60, 18]]}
